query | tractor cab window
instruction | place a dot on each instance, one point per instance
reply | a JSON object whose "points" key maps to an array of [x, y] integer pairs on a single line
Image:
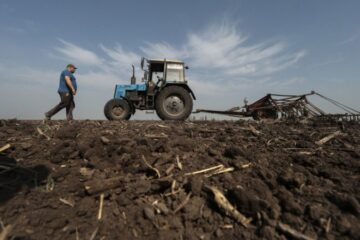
{"points": [[156, 70], [157, 75], [175, 72]]}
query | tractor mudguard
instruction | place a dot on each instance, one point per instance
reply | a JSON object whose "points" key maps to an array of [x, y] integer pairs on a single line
{"points": [[184, 86], [132, 107]]}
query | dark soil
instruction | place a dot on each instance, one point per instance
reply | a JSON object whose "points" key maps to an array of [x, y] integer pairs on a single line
{"points": [[280, 176]]}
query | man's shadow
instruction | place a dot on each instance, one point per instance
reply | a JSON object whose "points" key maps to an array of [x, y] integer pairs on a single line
{"points": [[14, 178]]}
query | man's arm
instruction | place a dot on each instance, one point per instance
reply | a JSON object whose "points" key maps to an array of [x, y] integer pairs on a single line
{"points": [[69, 83]]}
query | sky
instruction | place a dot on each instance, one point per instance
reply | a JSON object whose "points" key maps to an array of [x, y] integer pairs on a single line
{"points": [[235, 50]]}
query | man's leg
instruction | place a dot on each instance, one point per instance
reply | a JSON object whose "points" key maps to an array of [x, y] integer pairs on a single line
{"points": [[65, 98], [69, 109]]}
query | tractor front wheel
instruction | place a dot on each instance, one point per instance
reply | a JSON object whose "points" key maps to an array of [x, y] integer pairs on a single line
{"points": [[173, 103], [117, 109]]}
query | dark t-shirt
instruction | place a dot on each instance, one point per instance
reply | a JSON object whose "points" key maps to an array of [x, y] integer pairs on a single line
{"points": [[63, 88]]}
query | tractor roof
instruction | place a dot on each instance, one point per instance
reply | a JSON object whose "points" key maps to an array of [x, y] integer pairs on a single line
{"points": [[159, 60]]}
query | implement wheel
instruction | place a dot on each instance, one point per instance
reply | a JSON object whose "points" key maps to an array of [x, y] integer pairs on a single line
{"points": [[117, 109], [173, 103], [265, 114]]}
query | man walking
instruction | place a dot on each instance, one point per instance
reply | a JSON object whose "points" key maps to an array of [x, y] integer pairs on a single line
{"points": [[67, 91]]}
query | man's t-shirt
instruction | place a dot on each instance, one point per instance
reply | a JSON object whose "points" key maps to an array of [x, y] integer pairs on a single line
{"points": [[63, 88]]}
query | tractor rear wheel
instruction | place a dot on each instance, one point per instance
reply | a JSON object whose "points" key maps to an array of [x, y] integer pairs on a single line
{"points": [[173, 103], [117, 109]]}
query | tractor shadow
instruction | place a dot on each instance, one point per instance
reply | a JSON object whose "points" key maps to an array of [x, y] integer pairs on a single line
{"points": [[14, 178]]}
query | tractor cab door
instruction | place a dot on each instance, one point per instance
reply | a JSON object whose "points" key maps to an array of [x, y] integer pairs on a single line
{"points": [[156, 72], [156, 75]]}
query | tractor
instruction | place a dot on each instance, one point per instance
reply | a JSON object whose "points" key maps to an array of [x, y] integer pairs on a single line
{"points": [[163, 89]]}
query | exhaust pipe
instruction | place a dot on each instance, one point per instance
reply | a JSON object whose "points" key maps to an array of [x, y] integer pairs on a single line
{"points": [[133, 78]]}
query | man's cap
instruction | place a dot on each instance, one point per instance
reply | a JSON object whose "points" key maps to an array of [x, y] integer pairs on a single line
{"points": [[71, 65]]}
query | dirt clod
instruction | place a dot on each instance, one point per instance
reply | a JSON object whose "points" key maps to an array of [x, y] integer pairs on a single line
{"points": [[51, 183]]}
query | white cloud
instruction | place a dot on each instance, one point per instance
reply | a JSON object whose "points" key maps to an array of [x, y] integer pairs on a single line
{"points": [[78, 55], [225, 49], [216, 46], [119, 57], [163, 50], [219, 55], [119, 61]]}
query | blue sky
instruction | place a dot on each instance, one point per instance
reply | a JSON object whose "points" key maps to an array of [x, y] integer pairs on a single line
{"points": [[235, 49]]}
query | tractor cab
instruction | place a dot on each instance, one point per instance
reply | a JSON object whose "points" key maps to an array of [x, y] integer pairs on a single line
{"points": [[163, 70], [159, 73], [164, 89]]}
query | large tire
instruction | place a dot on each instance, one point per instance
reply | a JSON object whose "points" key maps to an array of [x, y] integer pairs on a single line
{"points": [[173, 103], [117, 109]]}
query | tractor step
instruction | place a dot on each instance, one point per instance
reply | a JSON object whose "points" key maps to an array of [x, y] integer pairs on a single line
{"points": [[150, 101]]}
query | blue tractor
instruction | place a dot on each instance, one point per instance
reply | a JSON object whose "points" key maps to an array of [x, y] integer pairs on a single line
{"points": [[163, 89]]}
